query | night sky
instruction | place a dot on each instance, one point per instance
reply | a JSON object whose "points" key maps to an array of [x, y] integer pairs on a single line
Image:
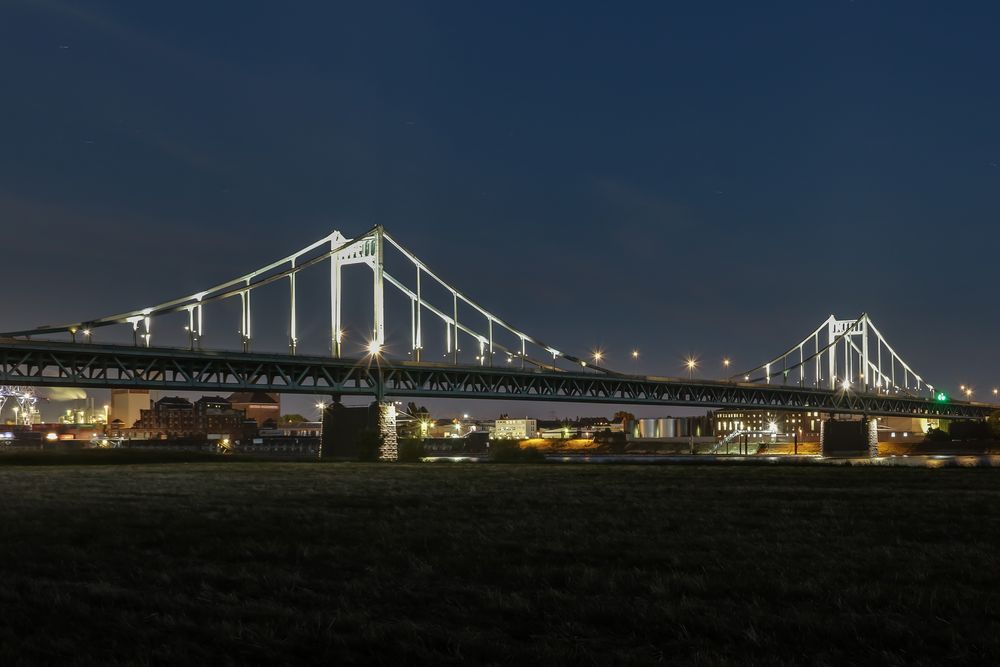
{"points": [[710, 178]]}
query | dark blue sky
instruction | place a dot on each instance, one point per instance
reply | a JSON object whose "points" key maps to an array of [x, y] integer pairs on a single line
{"points": [[711, 178]]}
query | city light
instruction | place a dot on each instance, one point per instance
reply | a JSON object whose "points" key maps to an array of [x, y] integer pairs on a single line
{"points": [[726, 362], [635, 354], [690, 363], [374, 349], [598, 355], [845, 385]]}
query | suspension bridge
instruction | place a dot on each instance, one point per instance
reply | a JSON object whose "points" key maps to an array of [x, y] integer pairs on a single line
{"points": [[455, 348]]}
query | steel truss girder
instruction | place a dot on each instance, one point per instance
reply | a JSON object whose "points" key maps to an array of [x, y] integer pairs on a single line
{"points": [[40, 364]]}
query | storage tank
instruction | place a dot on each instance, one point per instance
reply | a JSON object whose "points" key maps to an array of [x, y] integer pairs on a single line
{"points": [[662, 427]]}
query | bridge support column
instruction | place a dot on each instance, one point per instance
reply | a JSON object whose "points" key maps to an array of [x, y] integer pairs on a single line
{"points": [[388, 449], [849, 438]]}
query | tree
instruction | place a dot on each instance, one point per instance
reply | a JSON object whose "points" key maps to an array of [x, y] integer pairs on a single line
{"points": [[937, 435], [623, 417], [994, 422]]}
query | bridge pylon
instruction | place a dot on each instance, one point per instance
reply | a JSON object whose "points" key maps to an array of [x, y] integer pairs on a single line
{"points": [[842, 355]]}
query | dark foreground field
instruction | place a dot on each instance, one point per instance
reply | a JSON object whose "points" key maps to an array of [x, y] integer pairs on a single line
{"points": [[282, 563]]}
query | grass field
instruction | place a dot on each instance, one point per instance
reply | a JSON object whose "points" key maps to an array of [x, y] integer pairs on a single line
{"points": [[229, 563]]}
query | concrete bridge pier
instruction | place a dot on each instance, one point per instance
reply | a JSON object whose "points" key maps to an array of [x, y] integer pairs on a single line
{"points": [[389, 448], [849, 438]]}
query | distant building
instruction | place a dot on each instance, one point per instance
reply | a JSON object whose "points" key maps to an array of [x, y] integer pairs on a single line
{"points": [[588, 427], [127, 405], [257, 405], [557, 432], [171, 416], [293, 430], [904, 429], [177, 417], [514, 429], [727, 421]]}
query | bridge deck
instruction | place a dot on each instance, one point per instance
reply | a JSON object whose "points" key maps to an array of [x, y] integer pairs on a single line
{"points": [[51, 364]]}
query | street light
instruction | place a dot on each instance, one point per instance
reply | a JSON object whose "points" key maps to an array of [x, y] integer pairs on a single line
{"points": [[968, 393], [726, 362], [635, 354], [691, 364], [598, 355], [374, 348]]}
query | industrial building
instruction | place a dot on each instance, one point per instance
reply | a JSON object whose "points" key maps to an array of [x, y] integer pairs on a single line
{"points": [[126, 406], [727, 421], [176, 417], [514, 429], [260, 406]]}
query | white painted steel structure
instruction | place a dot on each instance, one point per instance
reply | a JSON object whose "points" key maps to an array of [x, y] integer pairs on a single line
{"points": [[26, 402], [368, 249], [842, 354], [838, 355]]}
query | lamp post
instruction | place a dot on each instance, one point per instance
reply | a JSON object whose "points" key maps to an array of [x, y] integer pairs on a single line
{"points": [[691, 365]]}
